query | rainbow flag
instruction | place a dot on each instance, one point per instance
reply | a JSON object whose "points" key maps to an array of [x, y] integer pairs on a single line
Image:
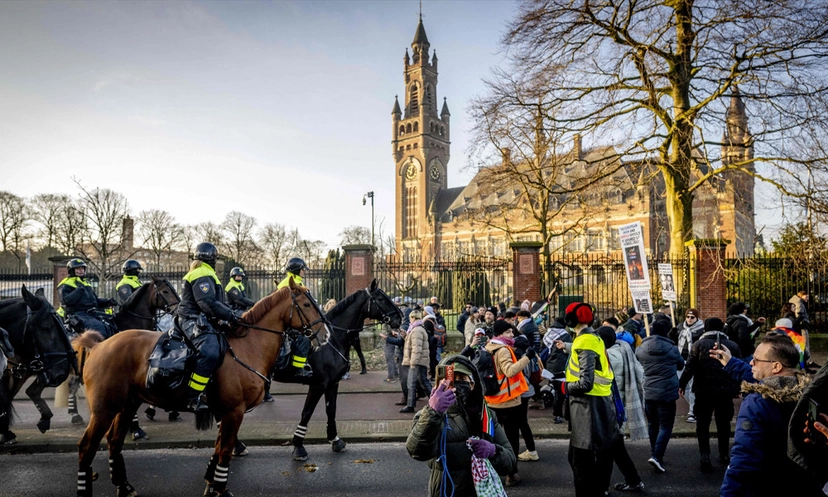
{"points": [[488, 422]]}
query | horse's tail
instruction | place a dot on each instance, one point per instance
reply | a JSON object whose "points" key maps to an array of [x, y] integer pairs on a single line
{"points": [[6, 408], [203, 420], [83, 345]]}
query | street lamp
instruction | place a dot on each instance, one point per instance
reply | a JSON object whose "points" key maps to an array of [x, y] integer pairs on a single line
{"points": [[371, 196]]}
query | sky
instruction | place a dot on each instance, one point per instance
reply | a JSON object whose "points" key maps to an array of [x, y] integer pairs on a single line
{"points": [[280, 110]]}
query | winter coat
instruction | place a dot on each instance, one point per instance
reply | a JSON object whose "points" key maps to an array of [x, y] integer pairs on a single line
{"points": [[635, 327], [592, 420], [415, 351], [801, 309], [759, 464], [470, 326], [503, 364], [424, 441], [629, 376], [461, 322], [740, 329], [530, 329], [660, 359], [812, 457], [556, 362], [688, 335], [709, 377]]}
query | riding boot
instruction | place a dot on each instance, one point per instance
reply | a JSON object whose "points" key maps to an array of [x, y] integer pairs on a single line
{"points": [[137, 432], [304, 372], [197, 400]]}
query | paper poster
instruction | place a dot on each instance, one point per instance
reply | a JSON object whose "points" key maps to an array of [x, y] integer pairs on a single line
{"points": [[635, 258], [641, 300], [668, 285]]}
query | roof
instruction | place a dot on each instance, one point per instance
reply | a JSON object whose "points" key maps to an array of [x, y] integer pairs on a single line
{"points": [[420, 37]]}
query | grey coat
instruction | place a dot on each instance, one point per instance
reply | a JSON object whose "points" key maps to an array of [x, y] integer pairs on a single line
{"points": [[661, 361]]}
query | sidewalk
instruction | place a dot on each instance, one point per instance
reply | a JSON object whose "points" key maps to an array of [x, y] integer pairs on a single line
{"points": [[365, 413]]}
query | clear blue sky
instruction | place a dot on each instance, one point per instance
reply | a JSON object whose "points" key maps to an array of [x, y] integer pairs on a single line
{"points": [[281, 110]]}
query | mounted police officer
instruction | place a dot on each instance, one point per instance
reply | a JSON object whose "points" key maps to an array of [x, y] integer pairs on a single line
{"points": [[78, 298], [236, 298], [129, 283], [202, 306], [301, 344]]}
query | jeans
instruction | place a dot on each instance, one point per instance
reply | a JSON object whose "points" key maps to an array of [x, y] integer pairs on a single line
{"points": [[660, 418], [417, 376], [510, 419], [689, 396], [389, 360], [722, 405]]}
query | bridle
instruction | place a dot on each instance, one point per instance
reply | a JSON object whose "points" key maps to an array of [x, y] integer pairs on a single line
{"points": [[38, 363], [386, 315], [166, 306]]}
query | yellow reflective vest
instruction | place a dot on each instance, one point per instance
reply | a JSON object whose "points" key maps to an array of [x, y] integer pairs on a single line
{"points": [[285, 282], [234, 284], [602, 384], [129, 280]]}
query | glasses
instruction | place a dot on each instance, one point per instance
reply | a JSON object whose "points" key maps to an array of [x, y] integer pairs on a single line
{"points": [[761, 360], [690, 316]]}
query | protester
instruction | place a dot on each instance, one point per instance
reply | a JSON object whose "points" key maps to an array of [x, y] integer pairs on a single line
{"points": [[714, 389], [660, 359], [689, 332], [415, 358], [741, 329], [472, 323], [509, 372], [454, 420], [464, 316], [785, 327], [635, 325], [522, 345], [489, 318], [808, 440], [556, 364]]}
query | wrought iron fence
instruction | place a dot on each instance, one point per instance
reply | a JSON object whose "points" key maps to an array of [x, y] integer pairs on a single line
{"points": [[601, 280], [12, 281]]}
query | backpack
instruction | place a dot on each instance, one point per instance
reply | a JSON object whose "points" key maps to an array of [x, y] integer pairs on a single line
{"points": [[484, 362], [440, 335]]}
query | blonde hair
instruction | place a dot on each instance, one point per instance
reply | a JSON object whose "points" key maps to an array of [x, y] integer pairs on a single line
{"points": [[415, 315], [195, 264], [330, 304]]}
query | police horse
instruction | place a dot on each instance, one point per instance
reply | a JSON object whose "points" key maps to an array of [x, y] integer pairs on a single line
{"points": [[42, 349], [139, 312], [115, 374], [330, 361]]}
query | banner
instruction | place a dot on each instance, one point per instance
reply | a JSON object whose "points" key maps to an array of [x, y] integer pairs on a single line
{"points": [[635, 262], [668, 285]]}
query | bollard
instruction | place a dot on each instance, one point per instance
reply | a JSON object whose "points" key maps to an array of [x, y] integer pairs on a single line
{"points": [[62, 394]]}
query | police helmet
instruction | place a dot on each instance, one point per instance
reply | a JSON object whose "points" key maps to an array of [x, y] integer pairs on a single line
{"points": [[237, 271], [295, 265], [207, 252], [132, 267], [74, 264]]}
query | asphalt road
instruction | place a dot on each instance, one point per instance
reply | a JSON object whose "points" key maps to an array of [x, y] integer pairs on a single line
{"points": [[380, 469]]}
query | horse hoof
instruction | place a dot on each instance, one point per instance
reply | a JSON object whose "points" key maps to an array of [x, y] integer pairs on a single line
{"points": [[77, 419], [149, 412], [300, 454], [126, 490], [44, 424], [338, 445], [209, 492], [8, 438], [139, 434], [174, 416]]}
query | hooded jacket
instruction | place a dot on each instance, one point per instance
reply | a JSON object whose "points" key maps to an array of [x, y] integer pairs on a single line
{"points": [[556, 362], [709, 377], [424, 441], [759, 464], [660, 359], [415, 350]]}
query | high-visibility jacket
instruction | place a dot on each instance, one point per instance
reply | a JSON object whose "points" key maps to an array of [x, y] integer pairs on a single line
{"points": [[602, 384], [126, 287], [285, 282], [510, 388]]}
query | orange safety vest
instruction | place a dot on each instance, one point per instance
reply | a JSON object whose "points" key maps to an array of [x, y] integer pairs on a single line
{"points": [[510, 388]]}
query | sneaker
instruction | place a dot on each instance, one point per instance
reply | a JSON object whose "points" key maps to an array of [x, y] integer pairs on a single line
{"points": [[528, 455], [268, 397], [390, 380], [558, 420], [346, 376], [656, 464], [407, 409], [691, 418], [240, 450], [139, 434], [626, 487]]}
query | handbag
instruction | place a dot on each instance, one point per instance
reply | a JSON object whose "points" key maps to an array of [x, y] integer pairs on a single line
{"points": [[486, 481]]}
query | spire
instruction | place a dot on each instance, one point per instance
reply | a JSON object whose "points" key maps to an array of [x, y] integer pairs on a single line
{"points": [[445, 111], [420, 37], [737, 106], [407, 58], [396, 106]]}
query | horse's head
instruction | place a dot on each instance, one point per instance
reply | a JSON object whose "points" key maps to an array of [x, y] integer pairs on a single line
{"points": [[305, 313], [382, 308], [165, 297], [46, 338]]}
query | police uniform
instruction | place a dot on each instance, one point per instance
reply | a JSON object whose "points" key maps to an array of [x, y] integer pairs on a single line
{"points": [[78, 298], [202, 305], [126, 287], [236, 298], [301, 345]]}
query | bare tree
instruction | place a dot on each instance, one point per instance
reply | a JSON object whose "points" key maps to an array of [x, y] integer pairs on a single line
{"points": [[189, 239], [209, 232], [654, 73], [47, 211], [355, 235], [312, 251], [105, 211], [14, 217], [71, 228], [274, 241], [238, 237], [159, 233]]}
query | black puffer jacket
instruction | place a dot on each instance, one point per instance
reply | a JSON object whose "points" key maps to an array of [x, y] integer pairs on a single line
{"points": [[423, 442], [710, 376], [741, 330], [660, 358]]}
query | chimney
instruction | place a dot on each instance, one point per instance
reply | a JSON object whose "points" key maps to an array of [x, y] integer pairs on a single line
{"points": [[127, 234], [506, 155], [576, 147]]}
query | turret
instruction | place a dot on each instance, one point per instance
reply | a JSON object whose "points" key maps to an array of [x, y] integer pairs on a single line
{"points": [[420, 44], [445, 114], [397, 112]]}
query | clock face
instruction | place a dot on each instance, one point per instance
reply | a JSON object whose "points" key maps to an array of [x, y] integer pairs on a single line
{"points": [[411, 171], [435, 172]]}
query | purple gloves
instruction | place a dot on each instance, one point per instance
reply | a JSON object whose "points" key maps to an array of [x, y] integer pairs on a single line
{"points": [[482, 449], [442, 397]]}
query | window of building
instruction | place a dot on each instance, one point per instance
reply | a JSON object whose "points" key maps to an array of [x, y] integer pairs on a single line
{"points": [[402, 129], [595, 240], [410, 212], [413, 102], [408, 128], [416, 127]]}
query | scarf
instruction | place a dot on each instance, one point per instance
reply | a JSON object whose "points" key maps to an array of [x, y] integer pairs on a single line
{"points": [[502, 340]]}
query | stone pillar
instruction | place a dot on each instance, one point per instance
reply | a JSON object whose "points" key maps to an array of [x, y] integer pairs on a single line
{"points": [[359, 267], [707, 285], [526, 271]]}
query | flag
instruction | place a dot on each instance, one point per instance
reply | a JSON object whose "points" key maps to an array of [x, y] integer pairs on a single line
{"points": [[29, 258], [488, 422]]}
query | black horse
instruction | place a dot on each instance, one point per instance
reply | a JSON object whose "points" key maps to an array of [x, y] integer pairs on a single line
{"points": [[330, 361], [42, 349]]}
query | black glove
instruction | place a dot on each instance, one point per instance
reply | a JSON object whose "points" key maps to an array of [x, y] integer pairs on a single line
{"points": [[530, 353], [237, 317], [111, 303]]}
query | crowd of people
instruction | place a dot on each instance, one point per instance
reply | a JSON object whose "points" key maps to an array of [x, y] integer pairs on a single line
{"points": [[612, 383]]}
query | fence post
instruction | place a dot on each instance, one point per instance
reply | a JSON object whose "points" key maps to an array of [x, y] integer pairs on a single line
{"points": [[708, 288], [359, 267], [526, 273]]}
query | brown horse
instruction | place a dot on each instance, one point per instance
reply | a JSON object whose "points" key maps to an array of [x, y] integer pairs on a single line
{"points": [[115, 373]]}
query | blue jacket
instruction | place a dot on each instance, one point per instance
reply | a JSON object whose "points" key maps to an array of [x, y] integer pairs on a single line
{"points": [[661, 359]]}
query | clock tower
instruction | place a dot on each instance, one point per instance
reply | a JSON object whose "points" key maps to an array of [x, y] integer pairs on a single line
{"points": [[421, 152]]}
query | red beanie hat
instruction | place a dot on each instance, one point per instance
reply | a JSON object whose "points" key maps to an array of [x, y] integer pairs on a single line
{"points": [[584, 312]]}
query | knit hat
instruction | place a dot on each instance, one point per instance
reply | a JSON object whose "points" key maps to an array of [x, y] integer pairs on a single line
{"points": [[428, 309], [622, 317], [692, 311], [474, 309], [784, 323], [713, 324], [661, 327], [493, 310], [398, 300], [607, 334], [500, 327]]}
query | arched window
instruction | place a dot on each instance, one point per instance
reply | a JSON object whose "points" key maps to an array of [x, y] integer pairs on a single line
{"points": [[431, 127], [429, 101], [408, 128], [413, 102], [402, 129], [416, 127]]}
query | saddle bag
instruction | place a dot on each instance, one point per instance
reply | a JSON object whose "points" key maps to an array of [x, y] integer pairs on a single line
{"points": [[169, 362], [283, 361]]}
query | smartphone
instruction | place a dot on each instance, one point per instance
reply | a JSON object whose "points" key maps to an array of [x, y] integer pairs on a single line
{"points": [[813, 416], [718, 341], [445, 372]]}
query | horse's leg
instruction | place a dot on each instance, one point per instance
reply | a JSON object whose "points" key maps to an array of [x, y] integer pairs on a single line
{"points": [[7, 437], [218, 468], [34, 392], [337, 444], [74, 386], [115, 437], [98, 425], [314, 394]]}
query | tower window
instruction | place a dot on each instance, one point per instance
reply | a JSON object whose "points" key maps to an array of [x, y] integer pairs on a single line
{"points": [[410, 228], [416, 145], [413, 102], [408, 128], [402, 129], [416, 127]]}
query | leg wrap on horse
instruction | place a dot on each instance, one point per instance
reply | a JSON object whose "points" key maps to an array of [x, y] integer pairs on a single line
{"points": [[117, 470], [73, 403], [85, 482], [220, 481], [299, 434], [211, 469]]}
